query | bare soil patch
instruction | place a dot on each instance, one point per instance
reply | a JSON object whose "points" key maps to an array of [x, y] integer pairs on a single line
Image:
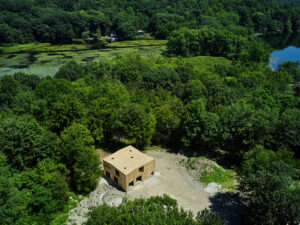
{"points": [[171, 178]]}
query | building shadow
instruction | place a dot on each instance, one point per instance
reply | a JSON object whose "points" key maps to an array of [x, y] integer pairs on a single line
{"points": [[112, 183], [229, 206]]}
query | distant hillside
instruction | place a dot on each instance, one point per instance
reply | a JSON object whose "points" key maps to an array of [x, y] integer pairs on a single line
{"points": [[296, 2], [25, 21]]}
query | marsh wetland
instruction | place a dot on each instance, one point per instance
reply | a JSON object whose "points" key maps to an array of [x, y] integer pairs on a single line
{"points": [[45, 59]]}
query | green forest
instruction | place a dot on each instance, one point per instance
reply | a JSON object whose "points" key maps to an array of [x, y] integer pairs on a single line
{"points": [[51, 126], [24, 21]]}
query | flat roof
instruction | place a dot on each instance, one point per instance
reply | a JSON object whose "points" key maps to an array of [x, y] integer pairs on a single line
{"points": [[127, 159]]}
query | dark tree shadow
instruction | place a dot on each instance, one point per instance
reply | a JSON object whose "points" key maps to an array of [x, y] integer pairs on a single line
{"points": [[229, 206], [112, 146], [221, 157]]}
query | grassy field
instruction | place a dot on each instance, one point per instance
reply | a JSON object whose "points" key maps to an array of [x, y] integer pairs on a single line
{"points": [[200, 63], [45, 59], [210, 171], [47, 47]]}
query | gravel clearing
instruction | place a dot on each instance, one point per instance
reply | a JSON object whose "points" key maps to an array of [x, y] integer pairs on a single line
{"points": [[170, 178]]}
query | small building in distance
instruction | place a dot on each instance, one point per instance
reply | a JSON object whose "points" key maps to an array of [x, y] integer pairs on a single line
{"points": [[113, 35], [127, 166], [141, 33]]}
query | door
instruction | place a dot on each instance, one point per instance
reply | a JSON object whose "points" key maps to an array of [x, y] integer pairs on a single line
{"points": [[116, 180]]}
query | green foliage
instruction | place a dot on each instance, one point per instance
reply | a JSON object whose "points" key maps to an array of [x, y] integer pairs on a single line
{"points": [[27, 81], [130, 69], [293, 69], [205, 217], [145, 37], [209, 171], [271, 194], [199, 126], [126, 31], [134, 124], [57, 108], [289, 125], [61, 113], [243, 127], [109, 97], [193, 90], [167, 110], [155, 210], [220, 176], [63, 21], [25, 142], [100, 70], [77, 151], [70, 71], [218, 42], [99, 42], [8, 90], [40, 204], [49, 89], [13, 201], [161, 77], [52, 177]]}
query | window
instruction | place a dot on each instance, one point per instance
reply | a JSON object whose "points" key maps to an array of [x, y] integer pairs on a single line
{"points": [[117, 172], [107, 174], [141, 169]]}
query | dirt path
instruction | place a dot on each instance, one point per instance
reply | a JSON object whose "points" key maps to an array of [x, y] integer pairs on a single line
{"points": [[170, 178]]}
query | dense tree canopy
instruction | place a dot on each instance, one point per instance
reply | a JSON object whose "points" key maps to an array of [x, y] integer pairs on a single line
{"points": [[23, 21], [76, 150], [25, 142], [155, 210], [267, 181], [218, 42]]}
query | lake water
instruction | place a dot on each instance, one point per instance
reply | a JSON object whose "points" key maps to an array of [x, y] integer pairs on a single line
{"points": [[287, 48]]}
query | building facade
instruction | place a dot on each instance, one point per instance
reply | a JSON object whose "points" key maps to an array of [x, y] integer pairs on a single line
{"points": [[128, 166]]}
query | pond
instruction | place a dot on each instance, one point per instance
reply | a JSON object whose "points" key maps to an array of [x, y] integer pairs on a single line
{"points": [[287, 48]]}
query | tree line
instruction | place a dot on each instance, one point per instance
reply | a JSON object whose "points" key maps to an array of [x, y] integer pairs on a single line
{"points": [[155, 210], [233, 45], [23, 21]]}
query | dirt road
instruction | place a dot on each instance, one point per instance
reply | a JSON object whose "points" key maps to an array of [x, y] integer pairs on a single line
{"points": [[170, 178]]}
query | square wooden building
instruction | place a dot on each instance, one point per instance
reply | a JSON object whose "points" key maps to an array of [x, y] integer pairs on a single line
{"points": [[127, 166]]}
